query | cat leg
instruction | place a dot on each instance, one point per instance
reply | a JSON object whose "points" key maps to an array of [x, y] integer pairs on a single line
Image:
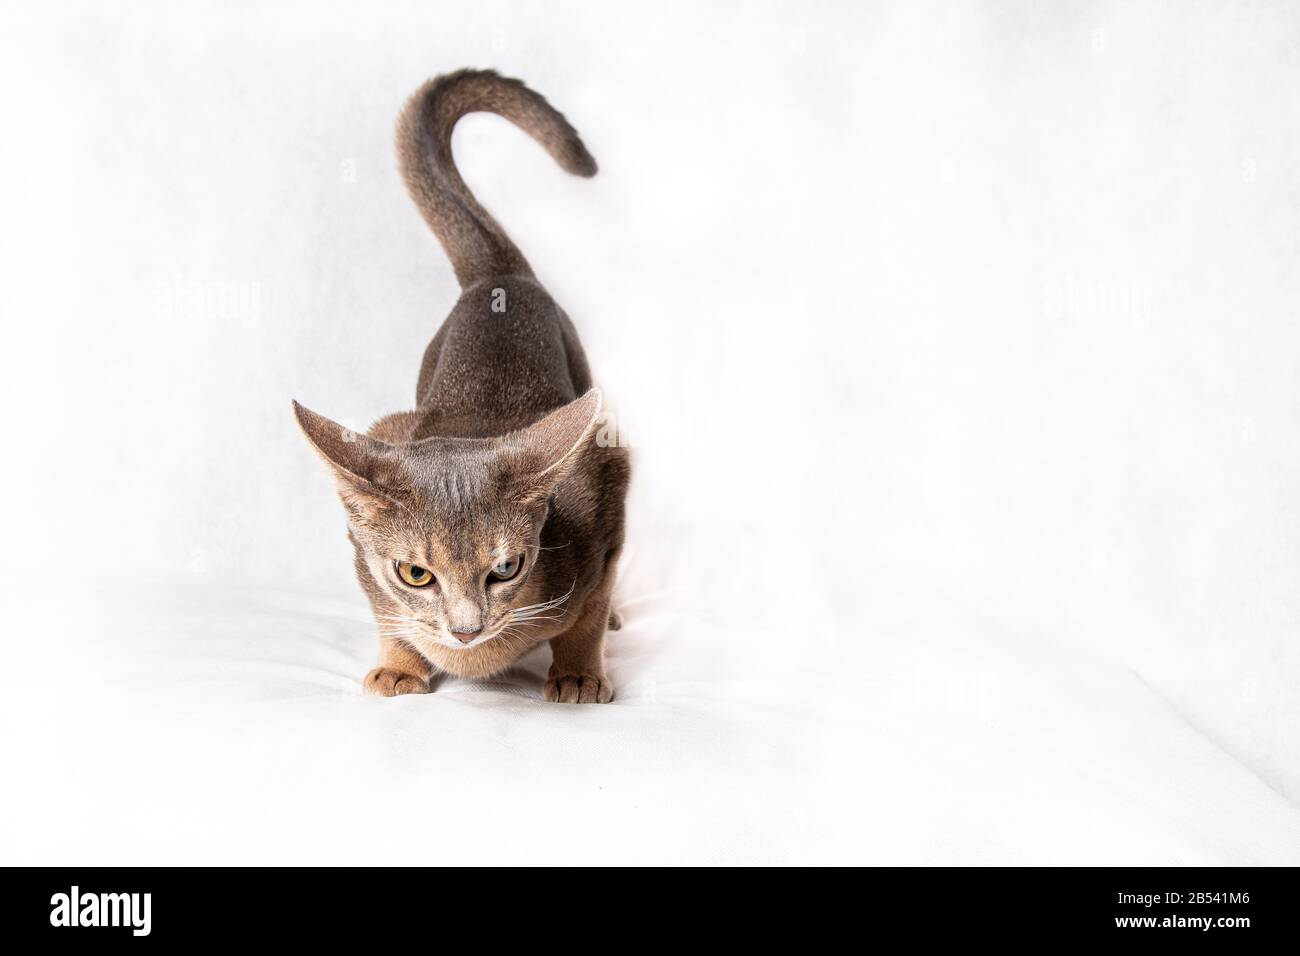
{"points": [[402, 670], [577, 674]]}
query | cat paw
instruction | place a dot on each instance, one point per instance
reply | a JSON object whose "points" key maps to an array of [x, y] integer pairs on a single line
{"points": [[615, 621], [578, 689], [387, 682]]}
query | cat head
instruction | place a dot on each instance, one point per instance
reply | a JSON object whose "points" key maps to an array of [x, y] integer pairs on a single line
{"points": [[449, 528]]}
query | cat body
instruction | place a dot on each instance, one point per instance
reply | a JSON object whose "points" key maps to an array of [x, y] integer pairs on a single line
{"points": [[487, 519]]}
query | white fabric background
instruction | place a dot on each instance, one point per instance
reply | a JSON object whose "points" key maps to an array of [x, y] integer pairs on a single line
{"points": [[957, 348]]}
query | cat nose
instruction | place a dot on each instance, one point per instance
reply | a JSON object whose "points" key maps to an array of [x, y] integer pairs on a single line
{"points": [[466, 636]]}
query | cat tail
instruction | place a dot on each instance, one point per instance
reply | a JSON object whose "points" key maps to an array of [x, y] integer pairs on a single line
{"points": [[476, 244]]}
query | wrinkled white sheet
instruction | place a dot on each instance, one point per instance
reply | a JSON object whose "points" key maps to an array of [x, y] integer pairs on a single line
{"points": [[177, 724]]}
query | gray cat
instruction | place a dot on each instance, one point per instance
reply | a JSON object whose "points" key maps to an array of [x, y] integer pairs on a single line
{"points": [[488, 519]]}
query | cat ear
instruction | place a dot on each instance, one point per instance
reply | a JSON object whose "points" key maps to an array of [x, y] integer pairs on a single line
{"points": [[351, 454], [358, 461], [544, 452]]}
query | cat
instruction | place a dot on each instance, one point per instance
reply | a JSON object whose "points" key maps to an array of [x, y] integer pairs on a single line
{"points": [[490, 518]]}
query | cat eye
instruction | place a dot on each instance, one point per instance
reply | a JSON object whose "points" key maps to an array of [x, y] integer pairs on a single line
{"points": [[414, 575], [507, 569]]}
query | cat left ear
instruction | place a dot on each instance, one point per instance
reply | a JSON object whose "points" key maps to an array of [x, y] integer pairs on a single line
{"points": [[547, 449], [358, 462], [352, 455]]}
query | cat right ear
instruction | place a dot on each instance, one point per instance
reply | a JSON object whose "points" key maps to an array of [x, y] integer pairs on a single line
{"points": [[357, 460], [544, 452]]}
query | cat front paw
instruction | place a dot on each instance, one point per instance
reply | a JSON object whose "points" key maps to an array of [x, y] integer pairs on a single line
{"points": [[578, 689], [615, 621], [387, 682]]}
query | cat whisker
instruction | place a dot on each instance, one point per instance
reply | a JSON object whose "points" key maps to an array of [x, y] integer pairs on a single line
{"points": [[520, 613], [410, 631], [546, 605], [537, 618], [525, 624]]}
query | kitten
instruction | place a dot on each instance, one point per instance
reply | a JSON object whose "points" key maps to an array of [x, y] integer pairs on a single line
{"points": [[488, 519]]}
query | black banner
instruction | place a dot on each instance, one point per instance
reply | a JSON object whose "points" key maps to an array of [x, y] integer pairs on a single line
{"points": [[1220, 907]]}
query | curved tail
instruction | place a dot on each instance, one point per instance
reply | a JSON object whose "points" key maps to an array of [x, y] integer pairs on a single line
{"points": [[476, 244]]}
